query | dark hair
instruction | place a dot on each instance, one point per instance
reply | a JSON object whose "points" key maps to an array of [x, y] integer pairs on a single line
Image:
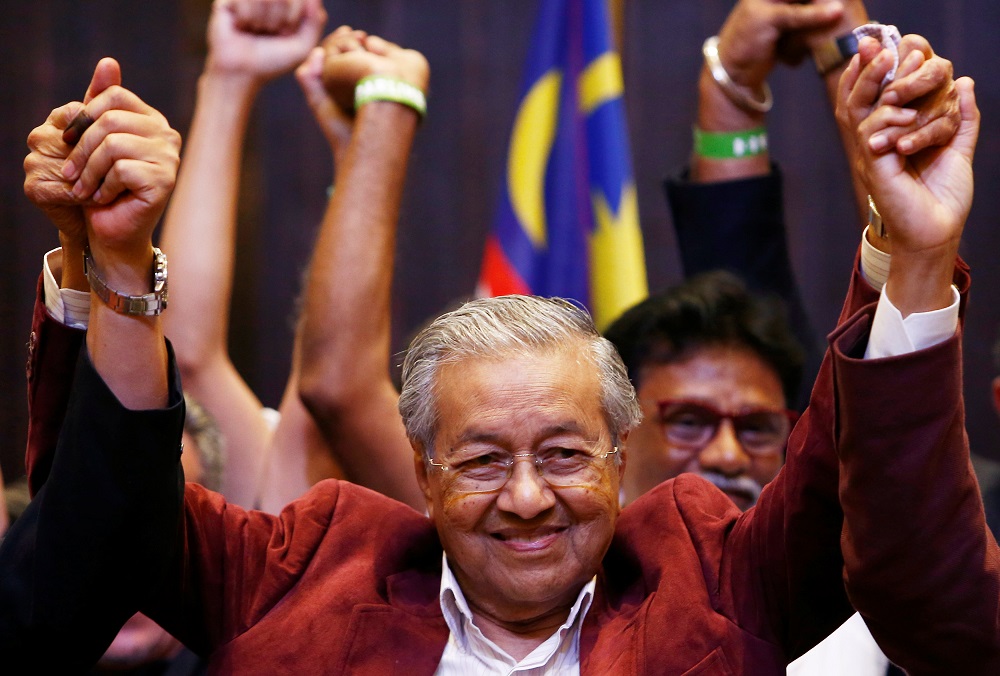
{"points": [[710, 309]]}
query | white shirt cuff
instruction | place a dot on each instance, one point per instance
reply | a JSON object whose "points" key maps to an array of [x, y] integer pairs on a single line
{"points": [[66, 306], [874, 263], [891, 335]]}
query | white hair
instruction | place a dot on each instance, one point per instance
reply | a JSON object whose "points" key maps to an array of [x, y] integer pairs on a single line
{"points": [[501, 326]]}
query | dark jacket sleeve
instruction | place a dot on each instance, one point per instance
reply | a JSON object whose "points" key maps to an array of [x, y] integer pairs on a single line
{"points": [[52, 351], [99, 534], [740, 226]]}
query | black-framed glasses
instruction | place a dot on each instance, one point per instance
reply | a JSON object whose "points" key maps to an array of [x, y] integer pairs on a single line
{"points": [[691, 425], [485, 472]]}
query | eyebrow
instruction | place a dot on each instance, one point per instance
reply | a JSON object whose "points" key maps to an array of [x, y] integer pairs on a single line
{"points": [[498, 439]]}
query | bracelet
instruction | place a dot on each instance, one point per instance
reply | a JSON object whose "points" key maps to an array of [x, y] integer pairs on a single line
{"points": [[834, 53], [149, 305], [736, 93], [386, 88], [724, 145]]}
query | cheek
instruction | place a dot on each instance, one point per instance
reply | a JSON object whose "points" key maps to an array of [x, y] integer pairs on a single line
{"points": [[461, 513], [765, 469]]}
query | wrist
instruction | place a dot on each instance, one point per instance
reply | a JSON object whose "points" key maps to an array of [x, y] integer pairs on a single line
{"points": [[387, 88], [229, 84], [717, 112], [73, 276], [921, 281]]}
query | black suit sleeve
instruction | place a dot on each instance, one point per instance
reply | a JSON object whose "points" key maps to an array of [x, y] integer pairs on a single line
{"points": [[740, 226], [101, 532]]}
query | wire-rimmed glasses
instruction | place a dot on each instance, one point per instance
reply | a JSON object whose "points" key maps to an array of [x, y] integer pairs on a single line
{"points": [[485, 472]]}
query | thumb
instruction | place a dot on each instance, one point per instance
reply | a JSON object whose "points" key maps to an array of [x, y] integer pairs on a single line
{"points": [[968, 128], [107, 74], [309, 76]]}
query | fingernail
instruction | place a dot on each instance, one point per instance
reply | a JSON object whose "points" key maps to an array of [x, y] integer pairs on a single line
{"points": [[78, 189], [68, 169], [878, 141], [890, 98], [905, 146], [98, 198]]}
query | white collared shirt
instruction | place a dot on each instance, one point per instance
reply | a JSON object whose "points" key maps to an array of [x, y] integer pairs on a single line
{"points": [[469, 653]]}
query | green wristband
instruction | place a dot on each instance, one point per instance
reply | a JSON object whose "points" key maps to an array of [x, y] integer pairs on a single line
{"points": [[386, 88], [726, 145]]}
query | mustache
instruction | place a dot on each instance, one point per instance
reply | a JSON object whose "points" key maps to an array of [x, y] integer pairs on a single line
{"points": [[734, 484]]}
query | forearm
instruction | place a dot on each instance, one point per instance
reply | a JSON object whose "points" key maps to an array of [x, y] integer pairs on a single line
{"points": [[344, 334], [199, 231], [128, 351], [717, 113]]}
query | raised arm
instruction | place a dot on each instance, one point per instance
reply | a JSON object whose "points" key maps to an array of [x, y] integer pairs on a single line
{"points": [[926, 572], [250, 42], [752, 40], [344, 332], [115, 183]]}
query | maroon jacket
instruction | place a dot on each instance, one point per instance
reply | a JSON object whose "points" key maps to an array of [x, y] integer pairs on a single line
{"points": [[877, 490]]}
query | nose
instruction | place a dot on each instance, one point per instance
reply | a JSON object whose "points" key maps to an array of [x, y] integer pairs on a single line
{"points": [[526, 493], [724, 453]]}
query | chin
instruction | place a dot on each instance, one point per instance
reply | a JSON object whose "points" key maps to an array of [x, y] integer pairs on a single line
{"points": [[140, 641]]}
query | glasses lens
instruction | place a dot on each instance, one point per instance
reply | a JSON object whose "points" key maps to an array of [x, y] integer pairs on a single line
{"points": [[569, 467], [688, 425], [480, 473], [486, 472], [762, 431]]}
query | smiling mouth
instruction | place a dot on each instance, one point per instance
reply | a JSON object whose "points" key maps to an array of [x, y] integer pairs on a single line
{"points": [[528, 541]]}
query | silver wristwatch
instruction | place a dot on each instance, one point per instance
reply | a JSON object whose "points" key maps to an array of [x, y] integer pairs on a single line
{"points": [[149, 304]]}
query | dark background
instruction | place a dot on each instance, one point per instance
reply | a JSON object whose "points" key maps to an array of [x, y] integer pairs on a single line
{"points": [[48, 49]]}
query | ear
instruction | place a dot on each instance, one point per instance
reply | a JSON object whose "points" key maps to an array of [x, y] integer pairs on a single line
{"points": [[623, 454], [420, 468], [996, 393]]}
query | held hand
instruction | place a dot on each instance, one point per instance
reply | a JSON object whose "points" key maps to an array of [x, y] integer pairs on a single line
{"points": [[924, 81], [262, 39], [749, 39], [345, 64], [924, 198], [854, 14], [44, 182], [335, 121], [122, 170]]}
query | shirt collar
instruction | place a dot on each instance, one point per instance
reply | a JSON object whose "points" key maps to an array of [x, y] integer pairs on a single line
{"points": [[463, 628]]}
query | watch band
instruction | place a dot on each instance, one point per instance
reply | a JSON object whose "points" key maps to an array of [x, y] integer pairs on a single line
{"points": [[833, 53], [150, 304], [875, 222]]}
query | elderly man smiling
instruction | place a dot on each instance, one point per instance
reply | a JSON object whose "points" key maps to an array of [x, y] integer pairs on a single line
{"points": [[519, 414]]}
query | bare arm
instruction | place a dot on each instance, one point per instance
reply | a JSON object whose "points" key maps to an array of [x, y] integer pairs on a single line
{"points": [[250, 43], [748, 49], [345, 333]]}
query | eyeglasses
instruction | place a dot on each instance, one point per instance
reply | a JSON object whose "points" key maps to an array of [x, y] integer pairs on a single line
{"points": [[692, 425], [558, 467]]}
